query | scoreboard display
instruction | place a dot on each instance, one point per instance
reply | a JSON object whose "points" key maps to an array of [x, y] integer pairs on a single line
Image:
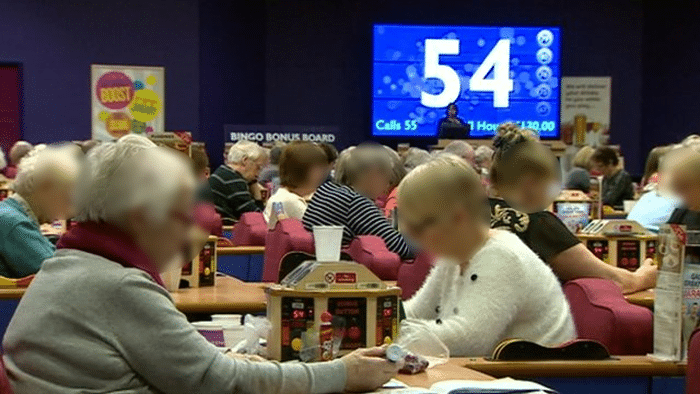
{"points": [[492, 74]]}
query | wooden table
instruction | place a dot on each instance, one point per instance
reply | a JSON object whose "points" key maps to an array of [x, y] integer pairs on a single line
{"points": [[230, 295], [452, 370], [643, 298], [239, 250], [11, 294], [619, 366]]}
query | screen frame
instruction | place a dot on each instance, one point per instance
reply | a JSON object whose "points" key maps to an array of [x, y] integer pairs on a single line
{"points": [[425, 141]]}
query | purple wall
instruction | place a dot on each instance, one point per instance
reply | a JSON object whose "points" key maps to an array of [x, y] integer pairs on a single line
{"points": [[319, 55], [308, 61], [56, 41]]}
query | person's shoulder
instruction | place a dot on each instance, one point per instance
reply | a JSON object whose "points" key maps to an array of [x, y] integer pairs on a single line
{"points": [[501, 246], [509, 249], [11, 216]]}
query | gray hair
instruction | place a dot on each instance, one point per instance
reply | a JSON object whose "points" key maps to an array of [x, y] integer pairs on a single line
{"points": [[355, 161], [128, 174], [19, 150], [483, 153], [242, 150], [46, 163], [398, 170], [415, 157], [459, 148]]}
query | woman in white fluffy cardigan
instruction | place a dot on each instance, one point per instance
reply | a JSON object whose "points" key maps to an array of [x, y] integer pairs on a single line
{"points": [[487, 285]]}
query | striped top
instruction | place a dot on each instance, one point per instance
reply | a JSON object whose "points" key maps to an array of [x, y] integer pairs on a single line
{"points": [[230, 193], [334, 204]]}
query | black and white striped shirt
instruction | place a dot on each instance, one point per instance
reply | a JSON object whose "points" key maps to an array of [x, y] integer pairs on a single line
{"points": [[230, 193], [337, 205]]}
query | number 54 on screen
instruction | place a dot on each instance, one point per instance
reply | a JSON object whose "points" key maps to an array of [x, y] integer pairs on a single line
{"points": [[498, 59]]}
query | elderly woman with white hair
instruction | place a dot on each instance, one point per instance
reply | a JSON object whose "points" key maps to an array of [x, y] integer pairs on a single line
{"points": [[361, 175], [234, 185], [487, 285], [97, 318], [461, 149], [43, 193]]}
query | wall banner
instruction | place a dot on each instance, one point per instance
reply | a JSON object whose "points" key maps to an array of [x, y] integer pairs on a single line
{"points": [[585, 110], [127, 99], [265, 134]]}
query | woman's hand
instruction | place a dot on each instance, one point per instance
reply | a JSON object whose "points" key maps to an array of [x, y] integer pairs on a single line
{"points": [[367, 369]]}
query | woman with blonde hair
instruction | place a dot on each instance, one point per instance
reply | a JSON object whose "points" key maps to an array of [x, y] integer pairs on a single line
{"points": [[579, 178], [525, 179], [684, 180], [487, 285]]}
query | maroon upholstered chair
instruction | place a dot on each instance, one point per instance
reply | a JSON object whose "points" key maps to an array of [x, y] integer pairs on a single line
{"points": [[288, 235], [206, 217], [603, 314], [371, 251], [412, 274], [692, 374], [250, 230]]}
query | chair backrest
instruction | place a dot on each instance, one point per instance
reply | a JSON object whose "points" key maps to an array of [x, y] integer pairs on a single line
{"points": [[288, 235], [250, 230], [206, 217], [5, 387], [601, 313], [412, 274], [692, 374], [371, 251]]}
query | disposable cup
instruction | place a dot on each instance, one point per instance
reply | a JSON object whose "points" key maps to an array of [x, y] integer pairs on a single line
{"points": [[327, 240]]}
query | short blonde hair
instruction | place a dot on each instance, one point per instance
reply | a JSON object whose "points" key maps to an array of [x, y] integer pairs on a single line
{"points": [[582, 159], [445, 180], [681, 161]]}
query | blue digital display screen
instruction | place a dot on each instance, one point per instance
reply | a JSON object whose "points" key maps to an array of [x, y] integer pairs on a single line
{"points": [[492, 74]]}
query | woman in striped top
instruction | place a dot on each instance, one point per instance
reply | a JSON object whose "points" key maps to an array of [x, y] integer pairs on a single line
{"points": [[362, 174]]}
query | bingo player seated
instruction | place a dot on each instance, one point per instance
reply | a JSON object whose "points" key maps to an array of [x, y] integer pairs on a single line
{"points": [[97, 318], [487, 285]]}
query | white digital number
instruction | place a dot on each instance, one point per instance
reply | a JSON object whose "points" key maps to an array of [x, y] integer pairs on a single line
{"points": [[501, 85], [498, 59], [433, 69]]}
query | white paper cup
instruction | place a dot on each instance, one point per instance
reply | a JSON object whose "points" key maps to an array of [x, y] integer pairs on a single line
{"points": [[327, 240], [628, 205]]}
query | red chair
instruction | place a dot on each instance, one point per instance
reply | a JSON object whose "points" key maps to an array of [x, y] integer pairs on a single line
{"points": [[412, 274], [692, 374], [250, 230], [371, 251], [5, 387], [206, 217], [288, 235], [601, 313]]}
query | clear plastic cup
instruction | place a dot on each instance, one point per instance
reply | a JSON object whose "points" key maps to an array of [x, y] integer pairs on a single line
{"points": [[327, 240]]}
